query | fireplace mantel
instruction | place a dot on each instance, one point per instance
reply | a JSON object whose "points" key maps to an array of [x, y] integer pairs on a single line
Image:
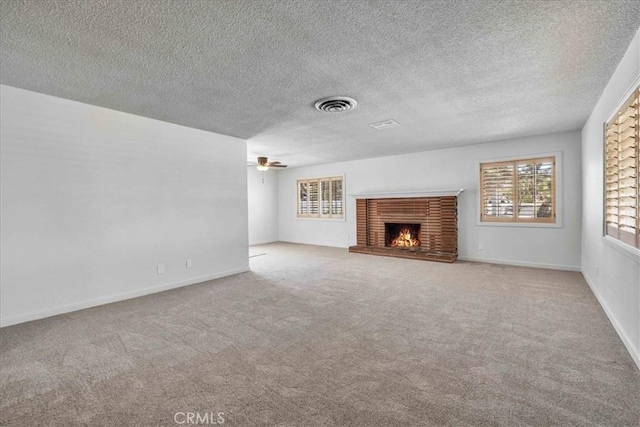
{"points": [[408, 194]]}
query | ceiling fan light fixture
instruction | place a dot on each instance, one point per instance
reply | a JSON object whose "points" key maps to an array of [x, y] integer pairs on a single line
{"points": [[264, 164]]}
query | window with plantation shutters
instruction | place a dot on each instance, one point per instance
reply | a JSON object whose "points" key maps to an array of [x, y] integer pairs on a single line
{"points": [[336, 197], [320, 198], [518, 191], [621, 172]]}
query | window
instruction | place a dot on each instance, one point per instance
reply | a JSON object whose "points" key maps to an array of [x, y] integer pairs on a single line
{"points": [[521, 191], [621, 173], [320, 197]]}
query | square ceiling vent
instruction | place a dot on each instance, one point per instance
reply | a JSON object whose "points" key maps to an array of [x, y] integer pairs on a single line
{"points": [[385, 124]]}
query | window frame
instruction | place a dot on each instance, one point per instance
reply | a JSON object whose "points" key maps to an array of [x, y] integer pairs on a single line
{"points": [[320, 215], [556, 192], [630, 251]]}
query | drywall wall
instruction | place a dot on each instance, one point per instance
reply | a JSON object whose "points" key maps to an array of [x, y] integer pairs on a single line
{"points": [[452, 168], [262, 193], [94, 199], [612, 272]]}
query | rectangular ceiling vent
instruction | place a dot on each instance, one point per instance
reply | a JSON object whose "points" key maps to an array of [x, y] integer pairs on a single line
{"points": [[385, 124]]}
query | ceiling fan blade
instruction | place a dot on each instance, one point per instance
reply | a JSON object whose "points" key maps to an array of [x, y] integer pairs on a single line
{"points": [[264, 162]]}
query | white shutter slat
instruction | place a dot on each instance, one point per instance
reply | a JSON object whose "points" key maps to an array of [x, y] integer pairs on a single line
{"points": [[336, 197], [621, 173], [497, 186], [626, 124]]}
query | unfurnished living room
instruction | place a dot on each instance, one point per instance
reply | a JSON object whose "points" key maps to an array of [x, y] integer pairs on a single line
{"points": [[319, 213]]}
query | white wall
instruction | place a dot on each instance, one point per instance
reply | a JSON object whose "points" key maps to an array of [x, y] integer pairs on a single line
{"points": [[93, 199], [263, 205], [613, 273], [451, 169]]}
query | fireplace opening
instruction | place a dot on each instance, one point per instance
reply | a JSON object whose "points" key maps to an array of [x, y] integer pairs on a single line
{"points": [[401, 235]]}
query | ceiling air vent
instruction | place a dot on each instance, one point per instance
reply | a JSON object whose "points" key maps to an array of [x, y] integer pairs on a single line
{"points": [[386, 124], [336, 104]]}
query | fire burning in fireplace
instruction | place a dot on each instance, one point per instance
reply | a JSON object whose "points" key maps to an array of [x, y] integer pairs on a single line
{"points": [[405, 239], [402, 235]]}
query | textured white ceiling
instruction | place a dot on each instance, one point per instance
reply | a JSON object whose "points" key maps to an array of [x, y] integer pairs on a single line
{"points": [[450, 72]]}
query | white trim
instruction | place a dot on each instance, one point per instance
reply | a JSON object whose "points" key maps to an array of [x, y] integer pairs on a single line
{"points": [[404, 194], [528, 156], [634, 352], [322, 218], [324, 245], [323, 176], [520, 224], [627, 250], [521, 263], [559, 193], [14, 320], [622, 99], [263, 242]]}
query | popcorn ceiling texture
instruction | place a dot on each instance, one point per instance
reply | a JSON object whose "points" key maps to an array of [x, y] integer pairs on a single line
{"points": [[450, 72]]}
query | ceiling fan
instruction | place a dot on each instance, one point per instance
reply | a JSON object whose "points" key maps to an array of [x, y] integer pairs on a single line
{"points": [[264, 164]]}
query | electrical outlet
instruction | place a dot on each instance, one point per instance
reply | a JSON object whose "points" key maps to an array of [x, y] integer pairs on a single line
{"points": [[480, 246], [160, 268], [189, 263]]}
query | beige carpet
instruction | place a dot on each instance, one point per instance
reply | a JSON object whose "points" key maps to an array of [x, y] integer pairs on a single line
{"points": [[318, 336]]}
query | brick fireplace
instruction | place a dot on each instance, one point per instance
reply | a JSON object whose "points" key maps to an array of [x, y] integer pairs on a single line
{"points": [[408, 225]]}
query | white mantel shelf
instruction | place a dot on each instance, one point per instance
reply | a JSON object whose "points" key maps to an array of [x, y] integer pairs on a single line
{"points": [[406, 194]]}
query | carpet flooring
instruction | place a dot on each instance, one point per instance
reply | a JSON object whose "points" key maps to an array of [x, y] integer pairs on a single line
{"points": [[316, 336]]}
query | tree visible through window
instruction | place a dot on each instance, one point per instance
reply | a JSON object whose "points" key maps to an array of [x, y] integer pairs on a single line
{"points": [[518, 191], [320, 198]]}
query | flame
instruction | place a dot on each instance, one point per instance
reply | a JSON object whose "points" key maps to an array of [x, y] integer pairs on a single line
{"points": [[405, 239]]}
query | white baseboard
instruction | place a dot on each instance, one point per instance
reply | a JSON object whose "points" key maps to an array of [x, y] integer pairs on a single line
{"points": [[521, 263], [262, 242], [14, 320], [324, 245], [633, 351]]}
